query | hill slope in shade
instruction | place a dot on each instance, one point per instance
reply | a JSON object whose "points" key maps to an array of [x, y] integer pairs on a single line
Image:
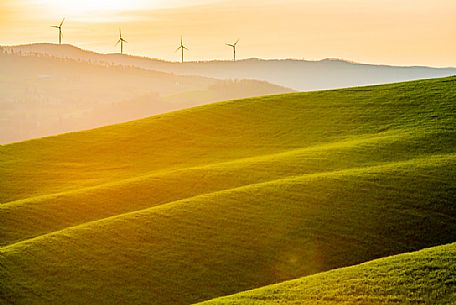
{"points": [[423, 277], [218, 199], [42, 95], [301, 75]]}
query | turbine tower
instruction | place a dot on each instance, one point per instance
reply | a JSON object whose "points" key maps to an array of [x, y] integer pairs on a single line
{"points": [[121, 41], [182, 48], [60, 30], [234, 48]]}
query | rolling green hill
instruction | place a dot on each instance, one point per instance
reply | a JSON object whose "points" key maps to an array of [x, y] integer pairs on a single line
{"points": [[424, 277], [214, 200]]}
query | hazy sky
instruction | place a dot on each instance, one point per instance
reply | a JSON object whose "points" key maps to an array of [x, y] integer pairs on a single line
{"points": [[404, 32]]}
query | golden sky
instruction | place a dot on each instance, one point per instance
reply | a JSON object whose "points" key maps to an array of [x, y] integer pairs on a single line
{"points": [[402, 32]]}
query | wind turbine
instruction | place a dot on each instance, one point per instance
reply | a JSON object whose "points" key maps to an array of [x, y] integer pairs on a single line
{"points": [[121, 41], [234, 48], [182, 48], [60, 30]]}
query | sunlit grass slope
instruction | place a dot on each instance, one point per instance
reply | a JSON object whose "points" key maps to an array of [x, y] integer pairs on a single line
{"points": [[214, 200], [423, 277]]}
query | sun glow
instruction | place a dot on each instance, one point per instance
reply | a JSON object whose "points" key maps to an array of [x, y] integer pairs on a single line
{"points": [[81, 7]]}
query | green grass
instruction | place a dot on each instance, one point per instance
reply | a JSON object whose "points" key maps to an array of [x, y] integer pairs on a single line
{"points": [[218, 199], [423, 277]]}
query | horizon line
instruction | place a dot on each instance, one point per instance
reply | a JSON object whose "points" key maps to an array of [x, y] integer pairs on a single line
{"points": [[339, 59]]}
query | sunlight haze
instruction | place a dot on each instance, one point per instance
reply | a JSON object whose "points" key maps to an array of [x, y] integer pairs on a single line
{"points": [[410, 32]]}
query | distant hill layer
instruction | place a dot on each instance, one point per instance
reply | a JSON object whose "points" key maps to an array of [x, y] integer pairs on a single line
{"points": [[43, 95], [210, 201], [424, 277], [301, 75]]}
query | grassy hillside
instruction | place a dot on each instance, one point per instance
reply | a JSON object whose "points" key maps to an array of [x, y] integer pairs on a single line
{"points": [[214, 200], [424, 277]]}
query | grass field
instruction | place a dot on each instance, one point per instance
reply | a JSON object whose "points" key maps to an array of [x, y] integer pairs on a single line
{"points": [[192, 205], [424, 277]]}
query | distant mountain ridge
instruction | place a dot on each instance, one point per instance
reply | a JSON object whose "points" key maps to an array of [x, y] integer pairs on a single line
{"points": [[44, 95], [302, 75]]}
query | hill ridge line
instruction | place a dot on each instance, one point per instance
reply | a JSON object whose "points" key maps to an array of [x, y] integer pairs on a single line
{"points": [[344, 172], [294, 283], [206, 61], [171, 114], [367, 138]]}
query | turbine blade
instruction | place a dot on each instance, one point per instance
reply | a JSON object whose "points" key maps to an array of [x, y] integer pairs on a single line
{"points": [[61, 23], [236, 42], [178, 49], [117, 42], [230, 45], [186, 48], [55, 26]]}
